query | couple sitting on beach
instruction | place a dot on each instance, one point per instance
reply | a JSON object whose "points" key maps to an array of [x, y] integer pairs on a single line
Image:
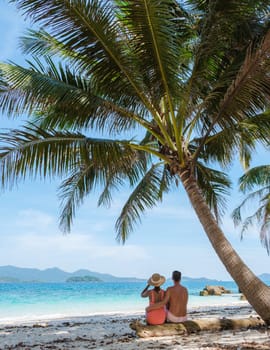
{"points": [[169, 305]]}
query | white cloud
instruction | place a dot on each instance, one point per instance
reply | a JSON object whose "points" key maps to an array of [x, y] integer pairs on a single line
{"points": [[126, 253], [173, 212], [36, 247], [31, 218], [70, 252]]}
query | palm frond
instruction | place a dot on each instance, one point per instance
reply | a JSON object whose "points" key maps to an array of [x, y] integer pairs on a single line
{"points": [[241, 138], [153, 28], [262, 217], [226, 31], [35, 152], [73, 191], [226, 28], [156, 42], [39, 43], [61, 98], [39, 86], [87, 175], [90, 173], [126, 171], [257, 176], [113, 182], [214, 185], [91, 29], [248, 92], [147, 194], [250, 198], [265, 228]]}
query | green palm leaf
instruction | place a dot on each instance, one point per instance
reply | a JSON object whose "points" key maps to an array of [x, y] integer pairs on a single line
{"points": [[146, 195], [35, 152], [41, 43], [91, 29], [258, 176], [64, 99], [240, 138], [227, 25], [214, 185], [91, 173], [126, 171], [155, 41]]}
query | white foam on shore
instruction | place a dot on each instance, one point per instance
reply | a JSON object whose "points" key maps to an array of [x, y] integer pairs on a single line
{"points": [[66, 317], [84, 317]]}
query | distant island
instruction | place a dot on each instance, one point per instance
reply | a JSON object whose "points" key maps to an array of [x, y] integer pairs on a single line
{"points": [[4, 279], [13, 274], [83, 279]]}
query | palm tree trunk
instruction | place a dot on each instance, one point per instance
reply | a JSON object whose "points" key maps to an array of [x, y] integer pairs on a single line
{"points": [[256, 292]]}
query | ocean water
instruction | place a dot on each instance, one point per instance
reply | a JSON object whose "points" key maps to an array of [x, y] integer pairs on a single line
{"points": [[37, 301]]}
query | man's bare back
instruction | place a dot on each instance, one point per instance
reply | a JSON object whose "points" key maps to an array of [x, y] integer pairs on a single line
{"points": [[177, 297]]}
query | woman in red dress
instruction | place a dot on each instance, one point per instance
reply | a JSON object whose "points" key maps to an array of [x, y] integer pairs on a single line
{"points": [[155, 295]]}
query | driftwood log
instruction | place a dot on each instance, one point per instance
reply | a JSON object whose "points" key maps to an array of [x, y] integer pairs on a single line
{"points": [[194, 326]]}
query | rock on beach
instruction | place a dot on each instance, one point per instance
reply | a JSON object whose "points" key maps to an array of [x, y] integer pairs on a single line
{"points": [[214, 290]]}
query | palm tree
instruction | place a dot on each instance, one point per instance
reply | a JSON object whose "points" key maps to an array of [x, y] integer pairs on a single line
{"points": [[191, 77], [258, 177]]}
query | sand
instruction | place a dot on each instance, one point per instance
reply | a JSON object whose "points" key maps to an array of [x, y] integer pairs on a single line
{"points": [[106, 332]]}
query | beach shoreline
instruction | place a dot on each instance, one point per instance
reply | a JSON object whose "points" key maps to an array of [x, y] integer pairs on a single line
{"points": [[201, 307], [112, 331]]}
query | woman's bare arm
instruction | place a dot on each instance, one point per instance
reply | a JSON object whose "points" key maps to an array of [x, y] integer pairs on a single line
{"points": [[145, 292]]}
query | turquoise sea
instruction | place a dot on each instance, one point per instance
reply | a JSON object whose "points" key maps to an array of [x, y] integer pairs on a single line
{"points": [[37, 301]]}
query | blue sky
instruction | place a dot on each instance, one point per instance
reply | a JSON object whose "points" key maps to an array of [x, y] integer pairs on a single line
{"points": [[170, 236]]}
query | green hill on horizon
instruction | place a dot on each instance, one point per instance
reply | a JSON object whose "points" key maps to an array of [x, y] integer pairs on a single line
{"points": [[9, 274], [54, 274]]}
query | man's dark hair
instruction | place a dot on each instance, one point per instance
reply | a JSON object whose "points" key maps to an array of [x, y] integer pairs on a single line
{"points": [[176, 276]]}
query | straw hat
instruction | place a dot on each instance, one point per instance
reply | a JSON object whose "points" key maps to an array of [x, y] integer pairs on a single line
{"points": [[156, 280]]}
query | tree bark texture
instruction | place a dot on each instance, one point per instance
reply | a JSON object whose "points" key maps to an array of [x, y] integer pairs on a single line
{"points": [[256, 292], [196, 325]]}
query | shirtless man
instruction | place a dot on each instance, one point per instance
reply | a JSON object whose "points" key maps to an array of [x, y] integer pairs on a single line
{"points": [[176, 299]]}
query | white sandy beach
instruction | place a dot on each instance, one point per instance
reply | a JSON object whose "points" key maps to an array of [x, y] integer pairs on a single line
{"points": [[106, 332]]}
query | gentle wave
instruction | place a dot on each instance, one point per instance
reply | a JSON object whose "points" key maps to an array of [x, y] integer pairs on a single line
{"points": [[22, 302]]}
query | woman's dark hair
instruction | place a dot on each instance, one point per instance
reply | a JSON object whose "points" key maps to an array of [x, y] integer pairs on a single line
{"points": [[176, 276]]}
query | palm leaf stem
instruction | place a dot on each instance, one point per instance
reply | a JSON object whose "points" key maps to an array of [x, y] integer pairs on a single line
{"points": [[171, 113], [183, 108], [149, 150], [190, 127], [144, 123], [163, 130]]}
